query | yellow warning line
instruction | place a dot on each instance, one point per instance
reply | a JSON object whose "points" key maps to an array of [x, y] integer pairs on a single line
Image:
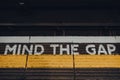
{"points": [[96, 61], [50, 61], [60, 61], [11, 61]]}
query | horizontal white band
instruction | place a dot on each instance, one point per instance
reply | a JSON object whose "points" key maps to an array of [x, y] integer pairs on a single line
{"points": [[14, 39], [60, 39]]}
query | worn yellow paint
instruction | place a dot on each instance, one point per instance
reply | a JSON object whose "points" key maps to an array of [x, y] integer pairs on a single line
{"points": [[12, 61], [50, 61], [60, 61], [97, 61]]}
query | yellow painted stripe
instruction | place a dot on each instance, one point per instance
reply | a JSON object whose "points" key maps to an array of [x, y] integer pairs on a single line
{"points": [[60, 61], [97, 61], [12, 61], [50, 61]]}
